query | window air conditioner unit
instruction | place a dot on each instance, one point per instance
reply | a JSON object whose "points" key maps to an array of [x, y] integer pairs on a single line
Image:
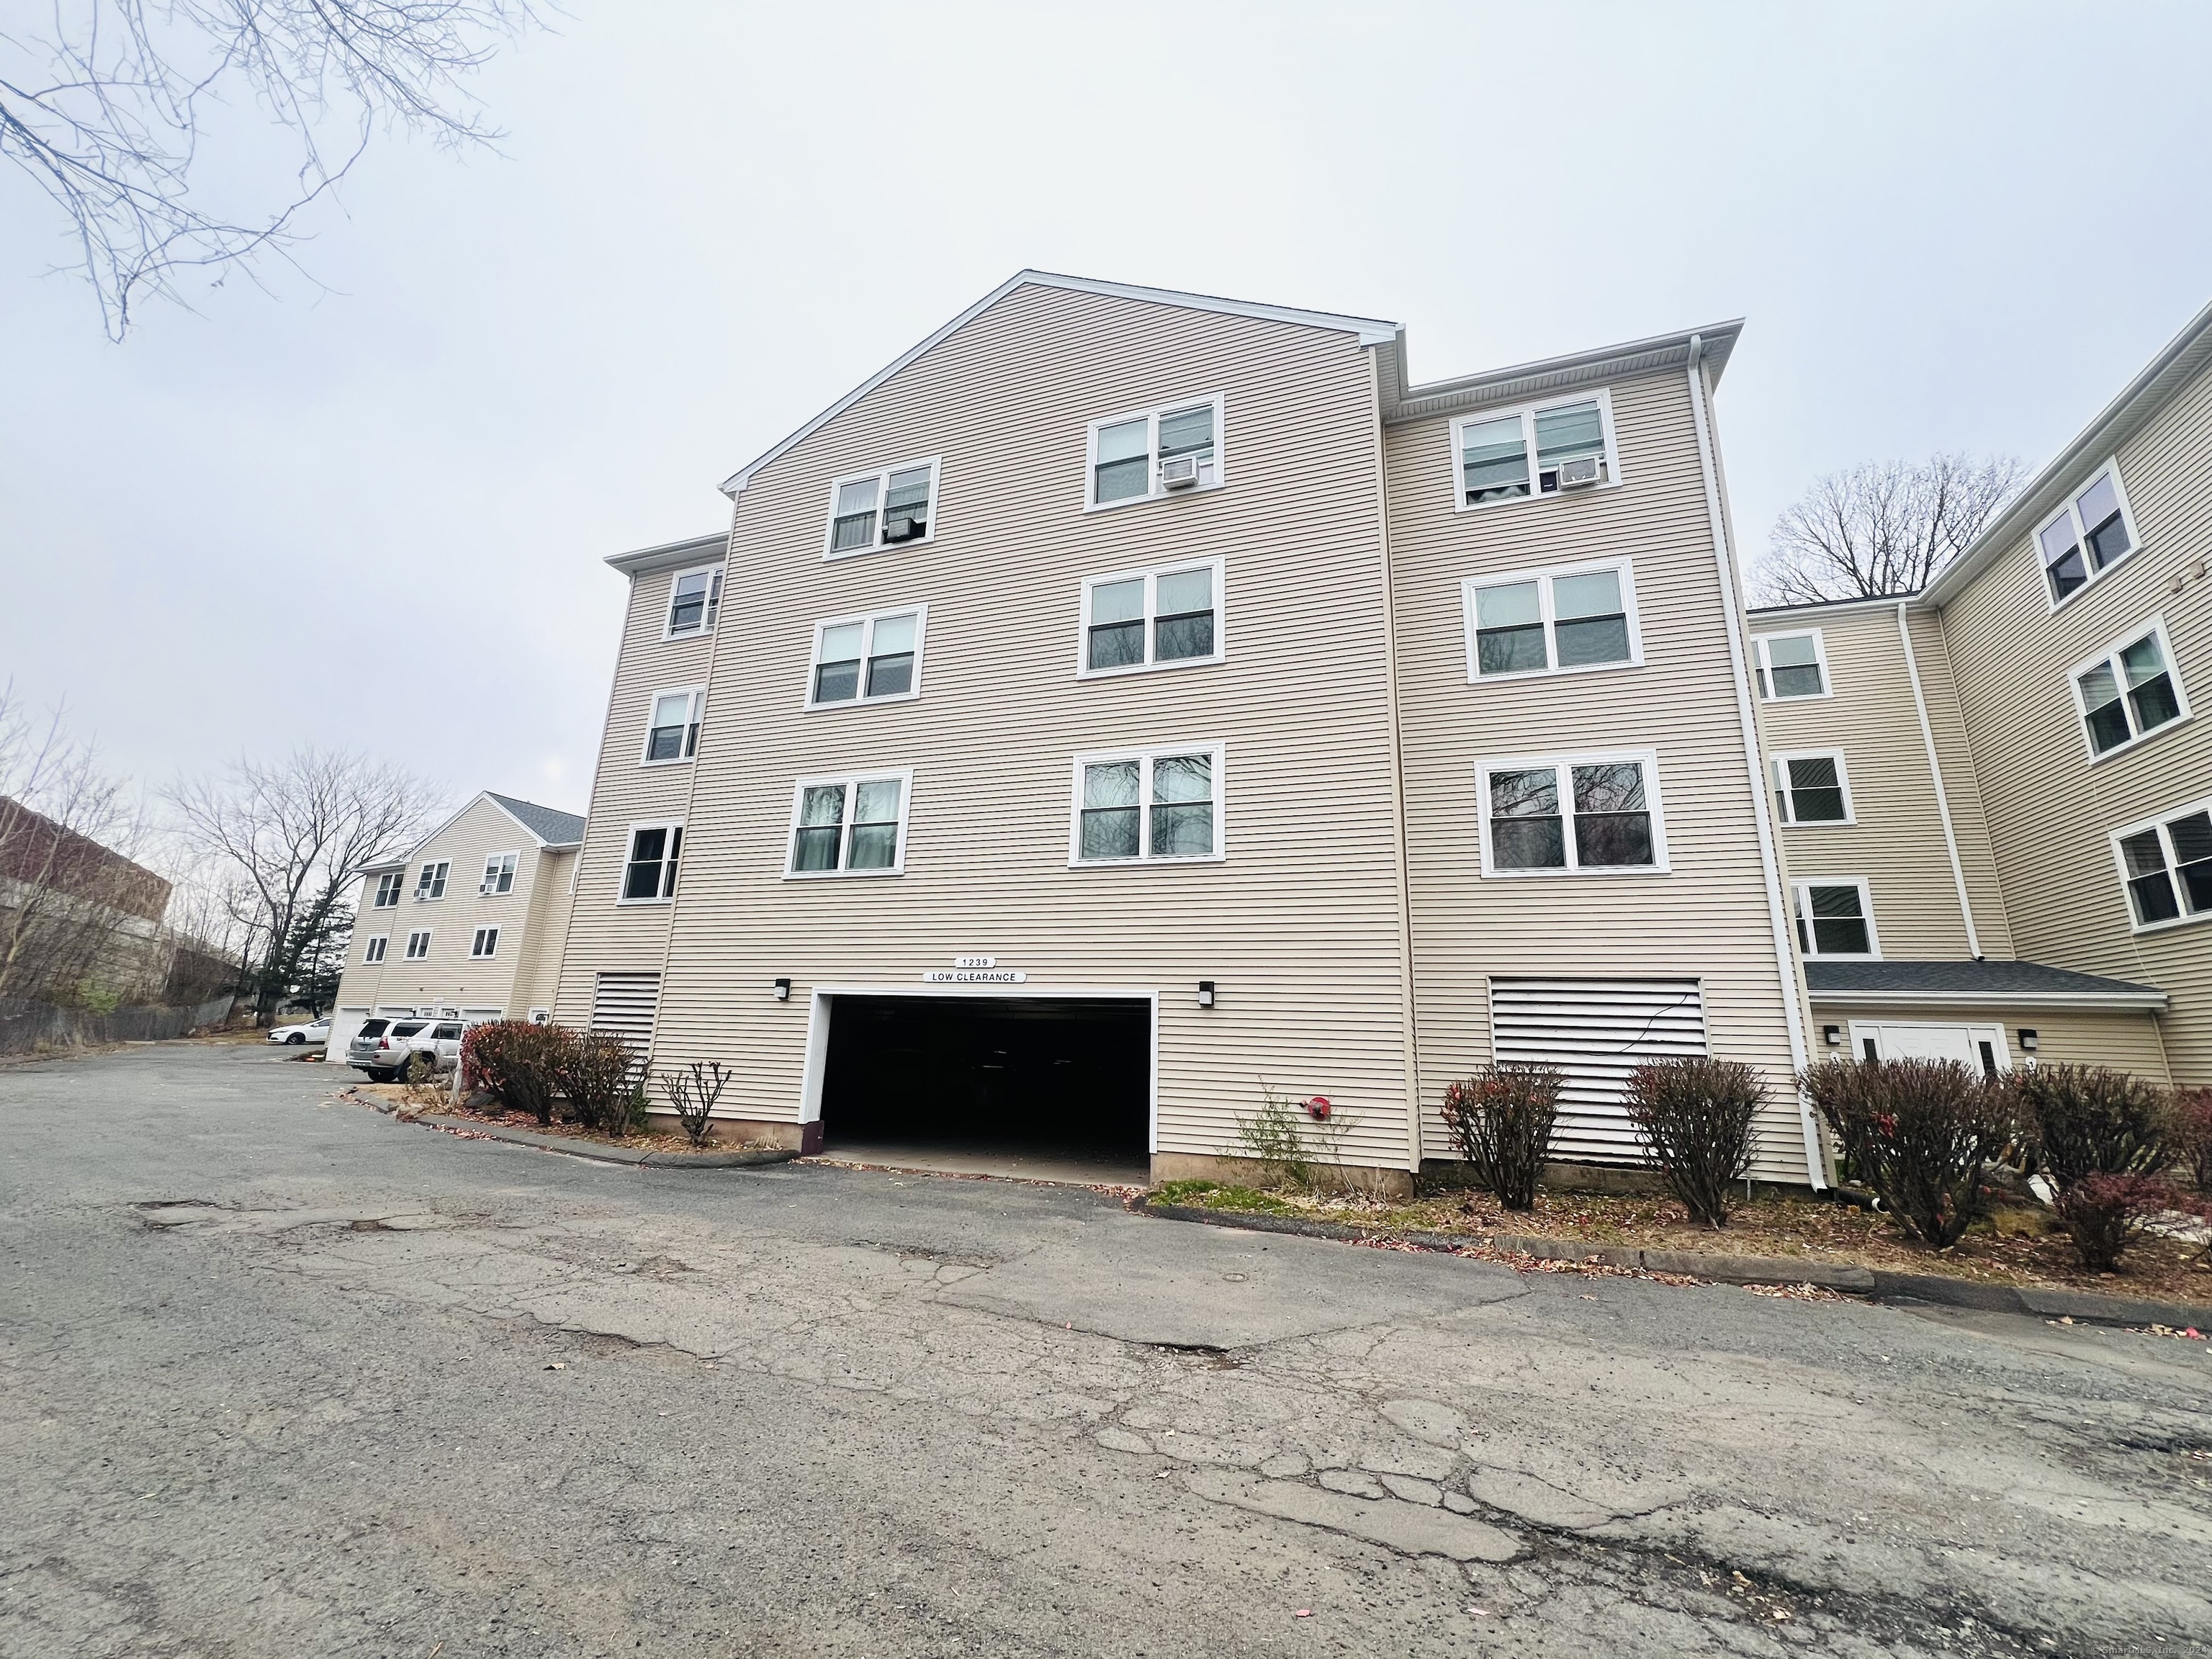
{"points": [[1580, 473], [906, 530], [1180, 473]]}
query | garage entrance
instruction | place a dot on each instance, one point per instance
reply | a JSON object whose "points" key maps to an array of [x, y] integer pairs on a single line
{"points": [[1054, 1089]]}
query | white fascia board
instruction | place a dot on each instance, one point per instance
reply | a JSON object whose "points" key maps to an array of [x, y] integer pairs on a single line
{"points": [[668, 556], [1522, 382], [1762, 617], [2086, 1001], [1370, 330]]}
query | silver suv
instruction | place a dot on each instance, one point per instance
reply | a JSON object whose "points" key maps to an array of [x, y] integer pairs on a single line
{"points": [[413, 1050]]}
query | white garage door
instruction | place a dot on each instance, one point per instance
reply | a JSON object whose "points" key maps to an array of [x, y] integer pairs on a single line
{"points": [[1596, 1031]]}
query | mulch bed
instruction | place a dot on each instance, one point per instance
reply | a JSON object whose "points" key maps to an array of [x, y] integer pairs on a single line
{"points": [[2014, 1246]]}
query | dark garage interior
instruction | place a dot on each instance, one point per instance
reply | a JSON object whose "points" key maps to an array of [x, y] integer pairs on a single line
{"points": [[1040, 1086]]}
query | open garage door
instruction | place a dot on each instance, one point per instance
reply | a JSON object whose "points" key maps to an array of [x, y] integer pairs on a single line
{"points": [[1049, 1088]]}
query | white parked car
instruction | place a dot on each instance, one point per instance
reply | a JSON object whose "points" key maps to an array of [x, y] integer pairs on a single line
{"points": [[413, 1050], [314, 1034]]}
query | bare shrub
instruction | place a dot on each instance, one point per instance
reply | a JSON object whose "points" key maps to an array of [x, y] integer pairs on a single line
{"points": [[599, 1075], [2105, 1212], [1500, 1121], [2192, 1134], [1918, 1132], [693, 1096], [1696, 1115], [523, 1063], [2083, 1121]]}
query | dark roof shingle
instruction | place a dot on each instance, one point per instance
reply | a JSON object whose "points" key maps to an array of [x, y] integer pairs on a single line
{"points": [[550, 826]]}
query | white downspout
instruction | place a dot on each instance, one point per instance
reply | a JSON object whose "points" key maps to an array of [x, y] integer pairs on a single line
{"points": [[1935, 773], [1755, 765]]}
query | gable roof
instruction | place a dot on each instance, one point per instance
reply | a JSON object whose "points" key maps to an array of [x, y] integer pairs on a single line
{"points": [[552, 827], [1370, 330]]}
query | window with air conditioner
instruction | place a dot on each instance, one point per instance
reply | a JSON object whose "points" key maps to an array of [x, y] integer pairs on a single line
{"points": [[1169, 617], [2166, 866], [671, 728], [1810, 787], [853, 824], [649, 866], [2129, 691], [1792, 665], [2086, 538], [1147, 805], [894, 507], [875, 657], [499, 873], [431, 882], [1144, 454], [1558, 620], [1835, 918], [695, 602], [1588, 814], [1557, 448]]}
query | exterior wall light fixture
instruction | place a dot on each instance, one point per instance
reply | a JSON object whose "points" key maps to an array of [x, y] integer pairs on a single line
{"points": [[2029, 1041], [1205, 993], [783, 990], [1832, 1035]]}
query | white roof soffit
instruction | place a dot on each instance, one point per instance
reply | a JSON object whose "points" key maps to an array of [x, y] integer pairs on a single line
{"points": [[1370, 330], [695, 550], [1523, 381], [2175, 365]]}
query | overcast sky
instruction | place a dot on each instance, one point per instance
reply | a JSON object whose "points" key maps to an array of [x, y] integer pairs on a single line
{"points": [[374, 516]]}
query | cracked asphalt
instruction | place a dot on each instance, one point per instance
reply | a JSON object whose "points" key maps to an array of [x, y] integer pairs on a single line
{"points": [[283, 1376]]}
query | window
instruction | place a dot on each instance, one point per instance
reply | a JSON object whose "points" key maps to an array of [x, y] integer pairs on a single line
{"points": [[1811, 788], [1792, 665], [672, 729], [649, 870], [499, 873], [849, 826], [1571, 443], [2166, 864], [881, 510], [486, 943], [418, 945], [431, 883], [388, 888], [2089, 536], [864, 659], [694, 601], [1582, 813], [2129, 691], [374, 951], [1158, 618], [1148, 453], [1835, 918], [1551, 622], [1148, 804]]}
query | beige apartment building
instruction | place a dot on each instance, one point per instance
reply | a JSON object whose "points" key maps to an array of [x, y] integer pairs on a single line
{"points": [[1995, 803], [1129, 704], [469, 925]]}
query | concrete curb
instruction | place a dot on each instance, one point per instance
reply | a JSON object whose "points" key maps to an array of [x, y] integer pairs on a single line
{"points": [[2084, 1307], [586, 1149]]}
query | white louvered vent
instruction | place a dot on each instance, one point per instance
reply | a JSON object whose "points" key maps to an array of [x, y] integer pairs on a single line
{"points": [[1596, 1031], [625, 1003]]}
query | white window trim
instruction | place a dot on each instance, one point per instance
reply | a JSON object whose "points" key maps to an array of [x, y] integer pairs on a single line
{"points": [[1152, 575], [698, 695], [1766, 675], [851, 781], [621, 867], [713, 608], [424, 935], [1647, 758], [2158, 821], [1781, 786], [1152, 412], [920, 614], [2092, 573], [1602, 397], [398, 880], [487, 888], [1543, 576], [1145, 757], [1800, 901], [882, 474], [370, 956], [424, 893], [483, 935], [2110, 657]]}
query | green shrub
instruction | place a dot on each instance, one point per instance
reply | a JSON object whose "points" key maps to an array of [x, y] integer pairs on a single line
{"points": [[1918, 1132], [521, 1063], [1285, 1136], [1696, 1116], [2084, 1121], [603, 1084], [1500, 1121]]}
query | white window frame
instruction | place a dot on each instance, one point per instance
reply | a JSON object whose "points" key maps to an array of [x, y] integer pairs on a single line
{"points": [[398, 888], [1562, 765], [412, 954], [851, 781], [2092, 572], [1152, 413], [485, 946], [373, 948], [1543, 577], [1766, 667], [1601, 396], [630, 843], [1218, 754], [882, 474], [690, 745], [497, 864], [1151, 574], [718, 578], [2110, 658], [1801, 909], [1779, 779], [868, 619], [433, 891], [2158, 822]]}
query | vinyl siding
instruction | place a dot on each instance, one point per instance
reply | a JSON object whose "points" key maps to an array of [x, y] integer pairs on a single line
{"points": [[1709, 918], [2127, 1041], [2051, 811], [537, 962], [1298, 925]]}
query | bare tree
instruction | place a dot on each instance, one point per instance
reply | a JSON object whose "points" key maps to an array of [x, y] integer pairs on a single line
{"points": [[1882, 527], [292, 836], [109, 111]]}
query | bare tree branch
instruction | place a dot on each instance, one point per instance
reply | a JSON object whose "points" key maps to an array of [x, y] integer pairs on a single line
{"points": [[107, 112], [1882, 527]]}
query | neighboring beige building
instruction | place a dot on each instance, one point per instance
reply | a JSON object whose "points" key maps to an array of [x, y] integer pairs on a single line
{"points": [[1996, 804], [469, 925], [1130, 702]]}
